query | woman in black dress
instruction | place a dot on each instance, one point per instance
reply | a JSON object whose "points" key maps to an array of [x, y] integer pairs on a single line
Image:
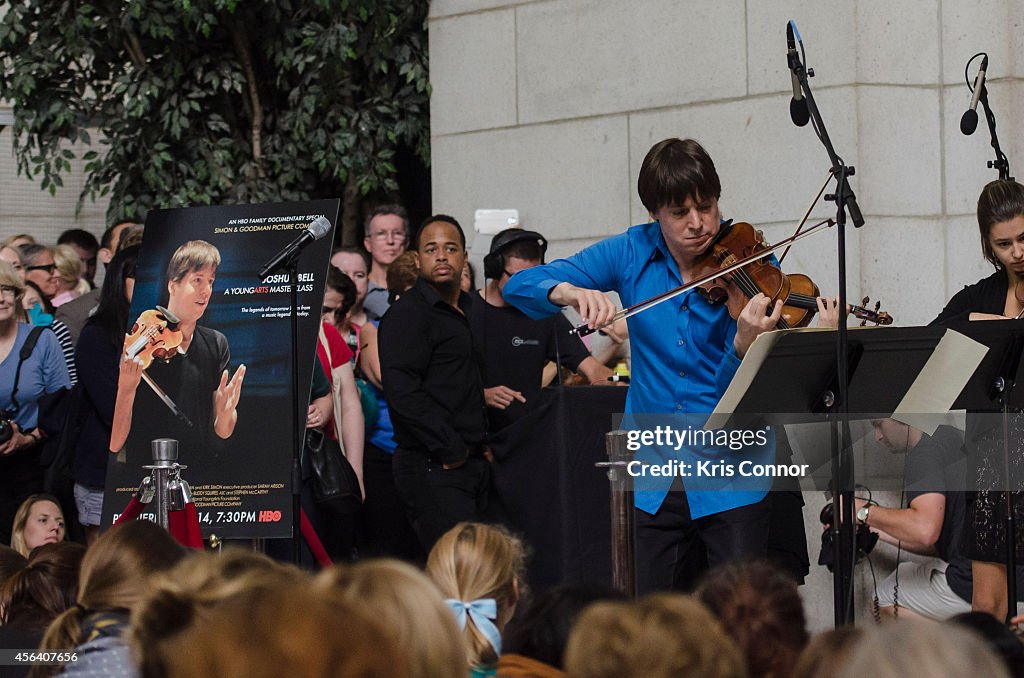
{"points": [[1001, 225]]}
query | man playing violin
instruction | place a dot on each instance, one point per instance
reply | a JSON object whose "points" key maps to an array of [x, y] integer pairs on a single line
{"points": [[685, 354], [196, 379]]}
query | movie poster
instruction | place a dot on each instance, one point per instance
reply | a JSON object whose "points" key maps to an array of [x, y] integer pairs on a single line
{"points": [[226, 389]]}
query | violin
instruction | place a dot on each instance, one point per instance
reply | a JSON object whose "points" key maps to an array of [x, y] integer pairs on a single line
{"points": [[154, 335], [740, 241]]}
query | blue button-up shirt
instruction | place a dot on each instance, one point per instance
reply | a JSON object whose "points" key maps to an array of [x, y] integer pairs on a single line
{"points": [[682, 357]]}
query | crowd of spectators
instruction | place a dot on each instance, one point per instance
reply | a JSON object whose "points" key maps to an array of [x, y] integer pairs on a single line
{"points": [[133, 602]]}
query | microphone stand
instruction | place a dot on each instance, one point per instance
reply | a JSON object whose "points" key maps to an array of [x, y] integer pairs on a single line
{"points": [[842, 459], [1001, 163], [291, 263]]}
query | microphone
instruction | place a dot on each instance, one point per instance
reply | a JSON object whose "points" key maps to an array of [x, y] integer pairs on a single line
{"points": [[798, 111], [317, 229], [969, 121]]}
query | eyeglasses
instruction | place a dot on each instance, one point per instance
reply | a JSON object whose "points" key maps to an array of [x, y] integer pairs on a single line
{"points": [[384, 236], [49, 268], [9, 290]]}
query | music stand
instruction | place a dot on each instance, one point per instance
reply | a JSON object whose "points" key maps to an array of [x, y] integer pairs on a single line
{"points": [[992, 389], [885, 365]]}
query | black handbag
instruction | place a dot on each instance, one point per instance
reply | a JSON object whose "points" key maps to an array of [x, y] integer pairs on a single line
{"points": [[334, 483]]}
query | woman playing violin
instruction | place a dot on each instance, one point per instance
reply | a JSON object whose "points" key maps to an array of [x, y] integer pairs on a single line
{"points": [[197, 378], [686, 352], [997, 297]]}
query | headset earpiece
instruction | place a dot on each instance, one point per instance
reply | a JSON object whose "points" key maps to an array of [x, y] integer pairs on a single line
{"points": [[494, 260]]}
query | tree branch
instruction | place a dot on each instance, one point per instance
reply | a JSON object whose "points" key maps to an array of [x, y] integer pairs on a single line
{"points": [[241, 44], [134, 49]]}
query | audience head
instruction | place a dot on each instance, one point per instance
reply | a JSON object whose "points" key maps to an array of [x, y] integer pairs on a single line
{"points": [[441, 250], [39, 520], [921, 648], [411, 607], [116, 294], [666, 635], [40, 268], [178, 599], [17, 240], [483, 564], [998, 636], [355, 263], [34, 297], [402, 274], [44, 588], [12, 256], [386, 233], [760, 607], [11, 562], [827, 652], [339, 296], [70, 268], [468, 281], [110, 241], [13, 289], [85, 246], [114, 576], [542, 630]]}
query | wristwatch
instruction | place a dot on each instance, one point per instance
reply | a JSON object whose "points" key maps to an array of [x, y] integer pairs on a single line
{"points": [[862, 513]]}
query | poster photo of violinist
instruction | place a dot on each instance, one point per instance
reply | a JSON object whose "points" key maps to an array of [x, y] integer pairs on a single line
{"points": [[207, 361]]}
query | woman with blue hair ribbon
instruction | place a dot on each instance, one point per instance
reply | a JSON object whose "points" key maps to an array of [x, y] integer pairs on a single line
{"points": [[479, 570]]}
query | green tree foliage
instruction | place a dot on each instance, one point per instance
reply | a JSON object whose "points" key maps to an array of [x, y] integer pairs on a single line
{"points": [[216, 101]]}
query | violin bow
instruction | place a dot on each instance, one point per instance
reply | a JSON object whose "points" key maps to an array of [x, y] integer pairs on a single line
{"points": [[583, 330], [166, 399]]}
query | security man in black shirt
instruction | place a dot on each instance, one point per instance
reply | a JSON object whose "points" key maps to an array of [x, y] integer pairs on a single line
{"points": [[431, 373]]}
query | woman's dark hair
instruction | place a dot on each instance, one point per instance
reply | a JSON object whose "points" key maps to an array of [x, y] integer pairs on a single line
{"points": [[343, 285], [760, 609], [44, 588], [11, 562], [674, 170], [112, 313], [542, 630], [47, 306], [1000, 638], [1001, 200]]}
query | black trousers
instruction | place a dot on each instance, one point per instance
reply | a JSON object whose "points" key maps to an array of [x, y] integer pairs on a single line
{"points": [[20, 476], [435, 498], [673, 550], [386, 528]]}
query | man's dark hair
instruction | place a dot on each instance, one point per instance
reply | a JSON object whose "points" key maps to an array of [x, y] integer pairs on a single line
{"points": [[675, 170], [79, 237], [443, 218], [1001, 200], [542, 630], [383, 210]]}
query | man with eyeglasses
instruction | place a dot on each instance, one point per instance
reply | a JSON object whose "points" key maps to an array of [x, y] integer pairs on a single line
{"points": [[40, 268], [387, 235]]}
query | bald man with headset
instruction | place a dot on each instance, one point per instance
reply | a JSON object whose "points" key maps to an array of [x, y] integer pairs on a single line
{"points": [[516, 348]]}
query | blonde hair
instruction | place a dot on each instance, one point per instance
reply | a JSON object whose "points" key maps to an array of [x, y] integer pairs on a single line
{"points": [[287, 629], [411, 607], [922, 648], [182, 596], [827, 652], [21, 520], [472, 561], [69, 265], [195, 255], [665, 635], [9, 276]]}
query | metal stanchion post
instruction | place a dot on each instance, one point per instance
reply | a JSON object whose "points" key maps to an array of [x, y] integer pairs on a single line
{"points": [[165, 462], [622, 518]]}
